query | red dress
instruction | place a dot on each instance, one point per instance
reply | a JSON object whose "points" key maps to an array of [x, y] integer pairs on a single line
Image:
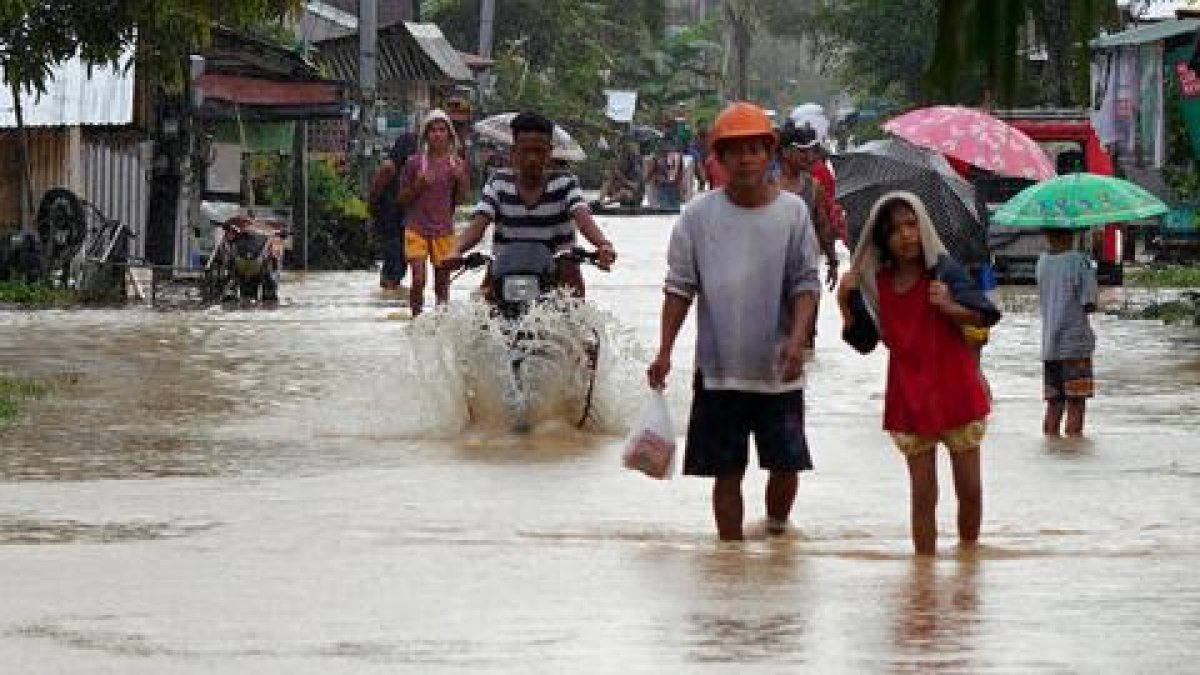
{"points": [[933, 381]]}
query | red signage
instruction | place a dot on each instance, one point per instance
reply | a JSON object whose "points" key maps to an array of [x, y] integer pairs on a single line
{"points": [[1189, 82]]}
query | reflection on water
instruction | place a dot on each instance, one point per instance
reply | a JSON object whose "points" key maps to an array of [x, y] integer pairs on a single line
{"points": [[936, 616], [742, 624], [314, 490]]}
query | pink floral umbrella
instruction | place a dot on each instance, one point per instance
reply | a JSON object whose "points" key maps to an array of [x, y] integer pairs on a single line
{"points": [[976, 138]]}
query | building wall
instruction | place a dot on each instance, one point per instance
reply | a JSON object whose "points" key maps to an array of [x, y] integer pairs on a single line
{"points": [[47, 166], [102, 167]]}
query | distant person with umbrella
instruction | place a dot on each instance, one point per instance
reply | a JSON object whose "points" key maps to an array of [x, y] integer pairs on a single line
{"points": [[1060, 207], [1067, 292]]}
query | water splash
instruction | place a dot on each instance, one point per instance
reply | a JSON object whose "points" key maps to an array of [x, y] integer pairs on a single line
{"points": [[564, 360]]}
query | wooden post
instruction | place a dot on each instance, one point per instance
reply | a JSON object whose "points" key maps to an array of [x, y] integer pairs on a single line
{"points": [[300, 188], [26, 194]]}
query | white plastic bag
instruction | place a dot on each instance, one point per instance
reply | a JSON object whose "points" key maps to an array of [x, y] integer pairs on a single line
{"points": [[650, 447]]}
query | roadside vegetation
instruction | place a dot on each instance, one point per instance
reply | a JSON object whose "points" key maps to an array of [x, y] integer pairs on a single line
{"points": [[35, 296], [14, 393], [1180, 304], [1165, 276]]}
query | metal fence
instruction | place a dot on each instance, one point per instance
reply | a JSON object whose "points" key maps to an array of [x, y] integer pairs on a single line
{"points": [[115, 180]]}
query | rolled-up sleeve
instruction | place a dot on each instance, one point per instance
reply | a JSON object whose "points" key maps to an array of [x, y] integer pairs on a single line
{"points": [[803, 274], [682, 277], [489, 202], [575, 199]]}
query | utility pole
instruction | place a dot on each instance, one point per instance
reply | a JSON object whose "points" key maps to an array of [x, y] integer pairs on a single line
{"points": [[487, 17], [368, 38], [484, 80]]}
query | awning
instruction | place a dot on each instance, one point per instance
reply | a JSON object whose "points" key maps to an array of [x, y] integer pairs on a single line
{"points": [[227, 96], [402, 55], [1146, 34], [475, 61], [74, 97]]}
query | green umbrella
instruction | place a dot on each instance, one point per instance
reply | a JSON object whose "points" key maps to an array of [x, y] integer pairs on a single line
{"points": [[1078, 201]]}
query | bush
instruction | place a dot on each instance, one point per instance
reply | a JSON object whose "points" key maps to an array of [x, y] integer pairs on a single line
{"points": [[1165, 276], [30, 295]]}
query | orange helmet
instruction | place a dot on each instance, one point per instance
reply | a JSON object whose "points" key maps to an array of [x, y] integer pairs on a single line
{"points": [[741, 120]]}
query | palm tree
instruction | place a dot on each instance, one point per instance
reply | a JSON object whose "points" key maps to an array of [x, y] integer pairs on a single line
{"points": [[744, 19]]}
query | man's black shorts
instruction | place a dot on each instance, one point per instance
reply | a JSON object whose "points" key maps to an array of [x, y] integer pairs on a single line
{"points": [[718, 436]]}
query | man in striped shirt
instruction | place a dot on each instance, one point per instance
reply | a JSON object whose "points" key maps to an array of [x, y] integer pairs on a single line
{"points": [[530, 203]]}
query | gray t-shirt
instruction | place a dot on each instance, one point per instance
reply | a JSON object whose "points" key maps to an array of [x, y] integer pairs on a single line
{"points": [[1066, 283], [745, 267]]}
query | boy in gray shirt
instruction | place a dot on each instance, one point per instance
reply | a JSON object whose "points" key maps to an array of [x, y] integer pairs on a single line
{"points": [[1067, 294], [747, 254]]}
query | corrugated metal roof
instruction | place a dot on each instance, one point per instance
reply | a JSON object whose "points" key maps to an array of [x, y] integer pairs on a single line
{"points": [[430, 37], [76, 98], [319, 22], [402, 57], [1146, 34]]}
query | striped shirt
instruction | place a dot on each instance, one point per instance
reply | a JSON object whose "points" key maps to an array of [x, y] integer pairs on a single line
{"points": [[548, 221]]}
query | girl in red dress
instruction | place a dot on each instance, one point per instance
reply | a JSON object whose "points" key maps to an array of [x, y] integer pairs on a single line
{"points": [[934, 392]]}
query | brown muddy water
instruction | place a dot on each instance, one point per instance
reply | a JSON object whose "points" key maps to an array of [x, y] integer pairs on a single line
{"points": [[303, 491]]}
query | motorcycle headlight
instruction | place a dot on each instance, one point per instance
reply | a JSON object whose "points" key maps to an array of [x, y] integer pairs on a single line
{"points": [[520, 288]]}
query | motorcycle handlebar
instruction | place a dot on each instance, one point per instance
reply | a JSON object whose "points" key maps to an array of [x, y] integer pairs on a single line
{"points": [[576, 254], [579, 254], [475, 259]]}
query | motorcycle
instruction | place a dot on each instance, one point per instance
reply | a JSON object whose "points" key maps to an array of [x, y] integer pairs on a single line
{"points": [[537, 337], [245, 263]]}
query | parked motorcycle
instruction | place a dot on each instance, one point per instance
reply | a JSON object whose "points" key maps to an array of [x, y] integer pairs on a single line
{"points": [[246, 262], [525, 277]]}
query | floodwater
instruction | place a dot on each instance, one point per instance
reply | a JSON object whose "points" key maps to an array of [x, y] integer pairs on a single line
{"points": [[304, 491]]}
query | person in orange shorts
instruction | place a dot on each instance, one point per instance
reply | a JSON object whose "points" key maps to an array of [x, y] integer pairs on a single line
{"points": [[433, 182]]}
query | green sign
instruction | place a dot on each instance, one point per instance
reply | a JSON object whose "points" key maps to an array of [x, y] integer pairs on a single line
{"points": [[272, 137]]}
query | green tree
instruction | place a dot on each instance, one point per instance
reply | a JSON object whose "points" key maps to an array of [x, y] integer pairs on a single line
{"points": [[877, 46], [36, 35], [557, 57], [744, 20], [680, 68], [993, 37]]}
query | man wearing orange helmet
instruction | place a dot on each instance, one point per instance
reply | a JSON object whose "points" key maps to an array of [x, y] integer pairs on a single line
{"points": [[747, 255]]}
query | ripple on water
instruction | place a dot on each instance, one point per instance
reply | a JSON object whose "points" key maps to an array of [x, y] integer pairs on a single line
{"points": [[16, 530]]}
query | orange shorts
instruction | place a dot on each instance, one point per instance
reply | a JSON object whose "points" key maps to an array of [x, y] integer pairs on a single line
{"points": [[418, 247]]}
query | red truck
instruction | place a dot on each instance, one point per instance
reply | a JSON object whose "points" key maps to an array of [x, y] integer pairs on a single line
{"points": [[1071, 143]]}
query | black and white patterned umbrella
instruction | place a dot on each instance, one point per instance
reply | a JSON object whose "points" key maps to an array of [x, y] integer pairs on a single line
{"points": [[880, 167]]}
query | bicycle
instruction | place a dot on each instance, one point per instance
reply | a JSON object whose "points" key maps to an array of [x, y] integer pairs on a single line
{"points": [[105, 256]]}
